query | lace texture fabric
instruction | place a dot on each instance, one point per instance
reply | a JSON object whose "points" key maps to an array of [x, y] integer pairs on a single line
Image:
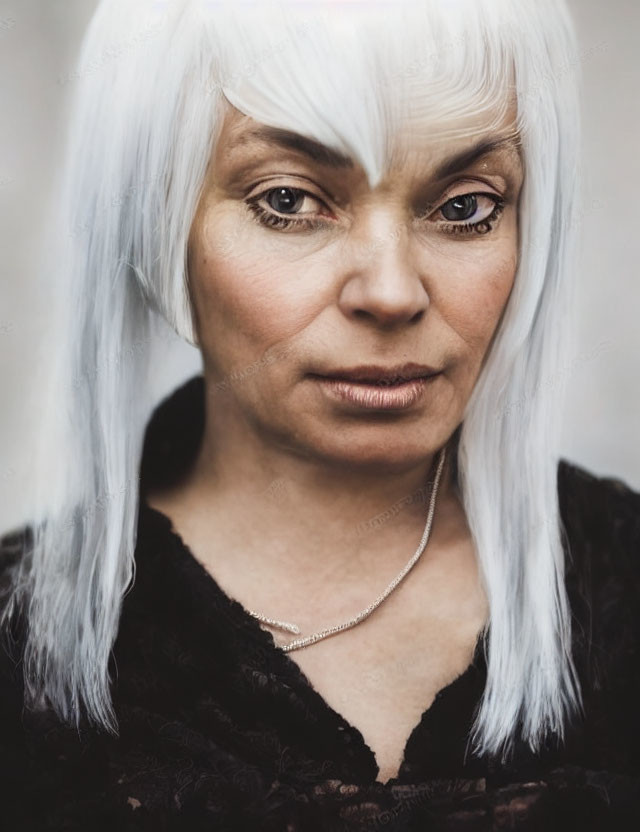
{"points": [[219, 729]]}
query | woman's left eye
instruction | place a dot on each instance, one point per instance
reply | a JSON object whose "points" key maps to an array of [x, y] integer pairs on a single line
{"points": [[462, 214]]}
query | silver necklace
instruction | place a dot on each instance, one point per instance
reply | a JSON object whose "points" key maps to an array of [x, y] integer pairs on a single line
{"points": [[296, 644]]}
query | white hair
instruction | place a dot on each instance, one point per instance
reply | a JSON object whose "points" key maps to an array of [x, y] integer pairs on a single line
{"points": [[153, 77]]}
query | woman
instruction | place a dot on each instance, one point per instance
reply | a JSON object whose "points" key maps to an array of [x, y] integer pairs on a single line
{"points": [[340, 579]]}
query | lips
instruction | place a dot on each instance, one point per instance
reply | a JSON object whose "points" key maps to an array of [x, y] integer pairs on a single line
{"points": [[384, 382], [382, 376], [378, 395]]}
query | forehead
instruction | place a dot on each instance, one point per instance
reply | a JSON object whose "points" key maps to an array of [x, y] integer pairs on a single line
{"points": [[436, 134], [411, 143]]}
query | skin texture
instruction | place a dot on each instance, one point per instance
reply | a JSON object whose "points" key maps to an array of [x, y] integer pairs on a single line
{"points": [[286, 476]]}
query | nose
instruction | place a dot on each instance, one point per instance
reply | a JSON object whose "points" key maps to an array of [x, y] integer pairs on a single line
{"points": [[380, 281]]}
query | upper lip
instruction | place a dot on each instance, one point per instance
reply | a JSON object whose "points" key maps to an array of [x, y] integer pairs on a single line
{"points": [[374, 373]]}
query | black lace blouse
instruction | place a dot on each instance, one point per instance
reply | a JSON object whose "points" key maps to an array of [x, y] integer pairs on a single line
{"points": [[220, 730]]}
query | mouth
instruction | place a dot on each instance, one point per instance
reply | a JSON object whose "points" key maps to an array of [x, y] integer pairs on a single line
{"points": [[380, 376], [383, 382], [376, 388]]}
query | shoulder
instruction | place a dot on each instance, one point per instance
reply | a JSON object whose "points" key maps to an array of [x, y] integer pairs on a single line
{"points": [[601, 536], [14, 769], [14, 546], [578, 486], [46, 769], [600, 518]]}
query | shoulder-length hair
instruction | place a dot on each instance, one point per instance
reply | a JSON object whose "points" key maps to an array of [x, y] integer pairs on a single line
{"points": [[150, 85]]}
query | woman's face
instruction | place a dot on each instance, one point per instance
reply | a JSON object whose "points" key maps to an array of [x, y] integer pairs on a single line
{"points": [[299, 271]]}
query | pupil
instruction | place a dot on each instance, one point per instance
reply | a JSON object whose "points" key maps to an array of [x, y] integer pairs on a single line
{"points": [[284, 199], [460, 207]]}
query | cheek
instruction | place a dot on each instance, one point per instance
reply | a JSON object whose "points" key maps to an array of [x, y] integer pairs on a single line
{"points": [[245, 288], [474, 292]]}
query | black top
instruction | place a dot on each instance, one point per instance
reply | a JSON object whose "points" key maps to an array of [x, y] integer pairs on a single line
{"points": [[221, 730]]}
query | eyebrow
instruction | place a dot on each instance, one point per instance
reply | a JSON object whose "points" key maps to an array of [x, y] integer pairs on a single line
{"points": [[466, 158], [323, 155], [316, 151]]}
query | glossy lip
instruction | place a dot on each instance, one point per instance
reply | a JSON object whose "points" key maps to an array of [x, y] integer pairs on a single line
{"points": [[377, 396], [375, 374]]}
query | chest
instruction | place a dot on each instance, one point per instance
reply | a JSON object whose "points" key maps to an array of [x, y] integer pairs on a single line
{"points": [[382, 687]]}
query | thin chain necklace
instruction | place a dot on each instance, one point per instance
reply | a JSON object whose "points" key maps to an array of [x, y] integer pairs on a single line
{"points": [[305, 642]]}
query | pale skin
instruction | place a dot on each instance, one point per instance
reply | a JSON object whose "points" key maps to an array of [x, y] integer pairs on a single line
{"points": [[284, 475]]}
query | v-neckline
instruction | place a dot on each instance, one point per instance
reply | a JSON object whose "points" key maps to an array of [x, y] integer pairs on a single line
{"points": [[250, 627]]}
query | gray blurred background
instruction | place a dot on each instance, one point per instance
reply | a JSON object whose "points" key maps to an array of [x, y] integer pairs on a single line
{"points": [[38, 43]]}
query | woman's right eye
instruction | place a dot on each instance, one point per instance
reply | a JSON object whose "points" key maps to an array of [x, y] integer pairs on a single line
{"points": [[285, 200]]}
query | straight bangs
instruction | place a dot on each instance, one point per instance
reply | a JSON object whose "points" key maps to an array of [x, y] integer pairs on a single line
{"points": [[354, 75], [153, 80]]}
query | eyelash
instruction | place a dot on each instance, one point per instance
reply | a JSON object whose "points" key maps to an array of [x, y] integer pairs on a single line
{"points": [[278, 221]]}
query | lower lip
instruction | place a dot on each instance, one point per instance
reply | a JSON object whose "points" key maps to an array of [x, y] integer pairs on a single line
{"points": [[377, 396]]}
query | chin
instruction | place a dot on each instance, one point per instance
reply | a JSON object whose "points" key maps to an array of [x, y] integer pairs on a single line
{"points": [[376, 454]]}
